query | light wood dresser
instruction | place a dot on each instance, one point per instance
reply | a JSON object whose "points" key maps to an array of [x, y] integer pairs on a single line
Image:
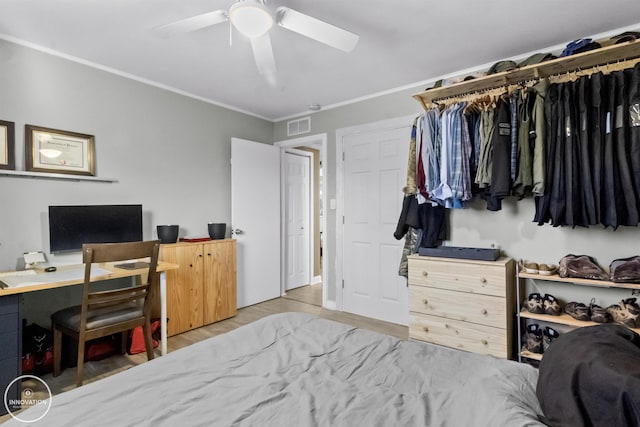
{"points": [[463, 304]]}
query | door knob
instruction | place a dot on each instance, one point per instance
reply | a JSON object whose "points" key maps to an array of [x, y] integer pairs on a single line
{"points": [[237, 231]]}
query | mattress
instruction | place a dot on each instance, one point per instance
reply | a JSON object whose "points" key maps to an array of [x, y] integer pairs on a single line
{"points": [[295, 369]]}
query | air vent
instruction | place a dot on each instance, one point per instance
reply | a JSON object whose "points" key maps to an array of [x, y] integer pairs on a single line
{"points": [[299, 126]]}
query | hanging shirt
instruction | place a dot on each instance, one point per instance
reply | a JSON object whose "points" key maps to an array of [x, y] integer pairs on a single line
{"points": [[429, 136], [483, 175]]}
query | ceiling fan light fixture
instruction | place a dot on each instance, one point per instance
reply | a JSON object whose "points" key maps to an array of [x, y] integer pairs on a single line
{"points": [[251, 18]]}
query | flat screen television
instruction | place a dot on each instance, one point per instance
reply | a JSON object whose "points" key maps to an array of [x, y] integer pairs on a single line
{"points": [[71, 226]]}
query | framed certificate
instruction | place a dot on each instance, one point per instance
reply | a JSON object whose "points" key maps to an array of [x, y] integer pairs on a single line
{"points": [[58, 151], [7, 145]]}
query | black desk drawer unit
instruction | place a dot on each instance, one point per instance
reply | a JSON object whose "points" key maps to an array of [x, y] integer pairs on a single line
{"points": [[10, 347]]}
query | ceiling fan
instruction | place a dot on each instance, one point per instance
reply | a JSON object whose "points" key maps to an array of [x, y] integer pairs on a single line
{"points": [[254, 20]]}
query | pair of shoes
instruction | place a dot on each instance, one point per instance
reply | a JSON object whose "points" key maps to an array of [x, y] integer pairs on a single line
{"points": [[625, 312], [593, 312], [598, 314], [535, 268], [547, 304], [577, 310], [537, 340]]}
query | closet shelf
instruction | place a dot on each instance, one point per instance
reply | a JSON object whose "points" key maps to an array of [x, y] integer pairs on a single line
{"points": [[598, 57], [585, 282], [530, 355], [563, 319]]}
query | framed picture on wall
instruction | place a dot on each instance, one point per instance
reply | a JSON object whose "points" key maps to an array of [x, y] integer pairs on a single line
{"points": [[59, 151], [7, 145]]}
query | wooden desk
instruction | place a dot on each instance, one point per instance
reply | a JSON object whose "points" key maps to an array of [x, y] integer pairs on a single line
{"points": [[40, 281]]}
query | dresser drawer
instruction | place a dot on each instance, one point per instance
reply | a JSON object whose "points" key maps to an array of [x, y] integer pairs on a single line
{"points": [[477, 278], [459, 335], [480, 309]]}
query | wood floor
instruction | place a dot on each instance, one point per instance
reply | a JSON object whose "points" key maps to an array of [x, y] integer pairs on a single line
{"points": [[311, 294], [303, 299]]}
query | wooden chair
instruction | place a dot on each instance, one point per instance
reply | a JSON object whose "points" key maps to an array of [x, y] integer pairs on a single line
{"points": [[104, 313]]}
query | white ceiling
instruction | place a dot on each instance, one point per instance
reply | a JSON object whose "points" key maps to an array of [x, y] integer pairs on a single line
{"points": [[402, 42]]}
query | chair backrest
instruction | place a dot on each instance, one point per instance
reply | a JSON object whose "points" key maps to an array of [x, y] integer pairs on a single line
{"points": [[93, 253]]}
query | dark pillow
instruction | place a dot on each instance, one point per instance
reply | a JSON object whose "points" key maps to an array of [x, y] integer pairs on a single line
{"points": [[591, 377]]}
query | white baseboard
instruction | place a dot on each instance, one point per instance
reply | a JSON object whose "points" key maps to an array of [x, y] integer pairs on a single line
{"points": [[330, 305], [316, 280]]}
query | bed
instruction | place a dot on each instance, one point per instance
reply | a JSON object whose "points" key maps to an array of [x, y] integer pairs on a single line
{"points": [[296, 369]]}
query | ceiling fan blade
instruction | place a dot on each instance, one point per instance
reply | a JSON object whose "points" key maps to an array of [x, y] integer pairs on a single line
{"points": [[193, 23], [316, 29], [263, 55]]}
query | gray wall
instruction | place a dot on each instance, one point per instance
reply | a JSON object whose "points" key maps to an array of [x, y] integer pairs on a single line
{"points": [[168, 152], [511, 229]]}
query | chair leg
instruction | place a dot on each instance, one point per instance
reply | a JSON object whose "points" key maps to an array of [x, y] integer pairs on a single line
{"points": [[80, 368], [57, 350], [148, 341]]}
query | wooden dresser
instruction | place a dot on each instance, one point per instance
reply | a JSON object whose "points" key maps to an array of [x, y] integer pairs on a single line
{"points": [[463, 304]]}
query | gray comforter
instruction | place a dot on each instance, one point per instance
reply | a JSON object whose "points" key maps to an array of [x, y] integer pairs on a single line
{"points": [[295, 369]]}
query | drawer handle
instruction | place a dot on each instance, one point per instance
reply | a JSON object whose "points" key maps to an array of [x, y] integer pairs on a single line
{"points": [[484, 342], [484, 311], [483, 280], [425, 301], [425, 274], [426, 329]]}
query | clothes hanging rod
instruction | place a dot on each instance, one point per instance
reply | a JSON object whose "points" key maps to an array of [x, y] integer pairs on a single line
{"points": [[578, 62]]}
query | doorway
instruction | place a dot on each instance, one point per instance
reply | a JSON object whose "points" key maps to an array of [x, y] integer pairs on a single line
{"points": [[315, 147], [298, 206]]}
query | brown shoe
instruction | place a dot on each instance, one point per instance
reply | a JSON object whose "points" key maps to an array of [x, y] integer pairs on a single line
{"points": [[598, 314], [547, 269], [626, 312], [531, 267], [534, 303], [577, 310], [551, 305]]}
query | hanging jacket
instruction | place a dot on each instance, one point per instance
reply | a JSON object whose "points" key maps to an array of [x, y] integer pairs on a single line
{"points": [[538, 137], [626, 200], [633, 123], [611, 178], [585, 149]]}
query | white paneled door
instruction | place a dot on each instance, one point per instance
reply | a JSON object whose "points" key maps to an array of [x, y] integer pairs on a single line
{"points": [[374, 172], [255, 217], [297, 218]]}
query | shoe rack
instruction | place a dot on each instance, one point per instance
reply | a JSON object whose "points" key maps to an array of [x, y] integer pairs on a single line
{"points": [[564, 319]]}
